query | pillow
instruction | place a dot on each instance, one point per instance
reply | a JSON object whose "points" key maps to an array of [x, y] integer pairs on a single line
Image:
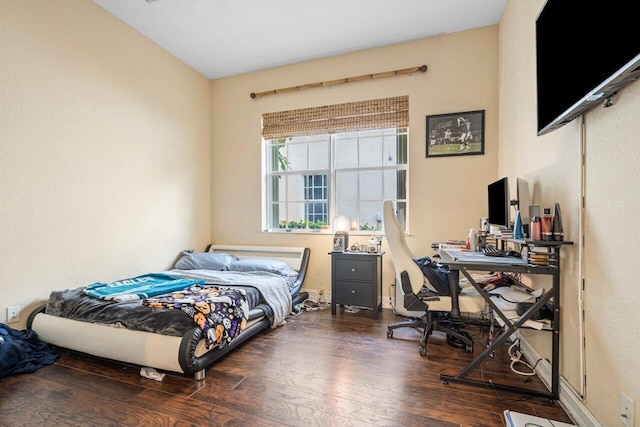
{"points": [[262, 264], [204, 261]]}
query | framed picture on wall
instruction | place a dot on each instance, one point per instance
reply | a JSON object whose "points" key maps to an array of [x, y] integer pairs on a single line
{"points": [[455, 134]]}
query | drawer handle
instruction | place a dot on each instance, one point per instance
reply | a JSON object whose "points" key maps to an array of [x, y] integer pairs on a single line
{"points": [[353, 270], [353, 291]]}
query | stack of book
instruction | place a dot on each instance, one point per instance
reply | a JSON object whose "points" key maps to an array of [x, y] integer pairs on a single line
{"points": [[453, 245]]}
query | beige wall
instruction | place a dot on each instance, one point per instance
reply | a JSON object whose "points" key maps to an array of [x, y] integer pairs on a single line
{"points": [[552, 165], [114, 156], [448, 195], [104, 152]]}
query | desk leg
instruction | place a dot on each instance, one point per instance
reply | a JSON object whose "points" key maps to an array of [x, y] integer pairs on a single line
{"points": [[454, 280], [511, 328]]}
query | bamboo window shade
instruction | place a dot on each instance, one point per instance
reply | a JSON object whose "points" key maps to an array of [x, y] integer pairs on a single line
{"points": [[352, 116]]}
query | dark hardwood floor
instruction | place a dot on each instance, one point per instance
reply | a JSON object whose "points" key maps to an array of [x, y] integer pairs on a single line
{"points": [[317, 370]]}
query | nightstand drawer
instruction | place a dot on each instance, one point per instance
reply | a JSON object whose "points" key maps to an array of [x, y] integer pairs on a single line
{"points": [[355, 293], [355, 269]]}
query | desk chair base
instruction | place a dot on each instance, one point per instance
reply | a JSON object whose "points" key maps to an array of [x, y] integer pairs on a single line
{"points": [[428, 324]]}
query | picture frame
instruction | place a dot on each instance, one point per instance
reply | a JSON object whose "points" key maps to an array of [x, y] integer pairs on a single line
{"points": [[338, 243], [455, 134]]}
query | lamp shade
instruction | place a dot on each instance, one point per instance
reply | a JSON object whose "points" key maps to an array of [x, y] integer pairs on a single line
{"points": [[341, 223]]}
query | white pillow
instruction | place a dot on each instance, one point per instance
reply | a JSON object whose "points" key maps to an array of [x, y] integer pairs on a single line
{"points": [[204, 261], [262, 264]]}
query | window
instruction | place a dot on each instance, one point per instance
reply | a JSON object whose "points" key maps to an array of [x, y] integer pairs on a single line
{"points": [[311, 178], [315, 187]]}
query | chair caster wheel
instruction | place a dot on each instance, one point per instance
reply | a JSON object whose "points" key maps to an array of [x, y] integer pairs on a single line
{"points": [[469, 348], [389, 333], [423, 350]]}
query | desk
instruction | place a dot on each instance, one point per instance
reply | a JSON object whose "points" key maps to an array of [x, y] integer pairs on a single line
{"points": [[459, 261]]}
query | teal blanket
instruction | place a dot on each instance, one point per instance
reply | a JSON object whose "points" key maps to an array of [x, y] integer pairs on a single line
{"points": [[141, 287]]}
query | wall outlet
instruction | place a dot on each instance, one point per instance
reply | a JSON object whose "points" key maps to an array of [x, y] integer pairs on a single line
{"points": [[626, 410], [13, 314]]}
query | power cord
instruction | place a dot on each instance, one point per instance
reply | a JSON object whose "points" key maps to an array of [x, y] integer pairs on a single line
{"points": [[316, 303], [393, 307], [516, 358]]}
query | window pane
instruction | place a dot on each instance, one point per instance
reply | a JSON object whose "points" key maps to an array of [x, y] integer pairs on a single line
{"points": [[402, 149], [317, 214], [370, 151], [370, 216], [346, 153], [394, 184], [276, 160], [390, 154], [350, 210], [276, 186], [346, 186], [402, 214], [402, 184], [371, 185], [297, 156], [296, 215], [319, 154], [295, 188]]}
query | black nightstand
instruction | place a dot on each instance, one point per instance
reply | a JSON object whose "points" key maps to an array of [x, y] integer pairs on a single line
{"points": [[356, 280]]}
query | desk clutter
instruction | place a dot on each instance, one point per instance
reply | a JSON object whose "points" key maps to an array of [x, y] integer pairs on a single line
{"points": [[514, 299], [542, 259]]}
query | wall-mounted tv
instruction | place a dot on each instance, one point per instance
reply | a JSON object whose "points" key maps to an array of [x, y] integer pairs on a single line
{"points": [[585, 53], [499, 203]]}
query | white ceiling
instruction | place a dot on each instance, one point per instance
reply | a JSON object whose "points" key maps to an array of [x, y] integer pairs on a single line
{"points": [[221, 38]]}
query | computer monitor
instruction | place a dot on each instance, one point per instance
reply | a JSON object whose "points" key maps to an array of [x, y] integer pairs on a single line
{"points": [[499, 203]]}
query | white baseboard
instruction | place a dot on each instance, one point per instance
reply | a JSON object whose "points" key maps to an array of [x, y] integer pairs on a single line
{"points": [[570, 400]]}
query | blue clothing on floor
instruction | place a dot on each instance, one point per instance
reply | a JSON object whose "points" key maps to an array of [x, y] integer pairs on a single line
{"points": [[22, 352]]}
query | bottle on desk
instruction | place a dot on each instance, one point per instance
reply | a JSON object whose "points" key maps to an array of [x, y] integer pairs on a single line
{"points": [[536, 228], [557, 224], [472, 240], [547, 225]]}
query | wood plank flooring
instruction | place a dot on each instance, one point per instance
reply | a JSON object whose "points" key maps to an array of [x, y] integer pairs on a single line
{"points": [[317, 370]]}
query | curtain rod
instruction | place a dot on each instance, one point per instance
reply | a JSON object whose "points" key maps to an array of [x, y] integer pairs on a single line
{"points": [[421, 68]]}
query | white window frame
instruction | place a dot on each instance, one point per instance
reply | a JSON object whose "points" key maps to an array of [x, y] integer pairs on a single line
{"points": [[332, 182]]}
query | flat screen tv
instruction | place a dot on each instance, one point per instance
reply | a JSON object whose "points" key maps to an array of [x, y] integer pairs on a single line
{"points": [[499, 203], [585, 53]]}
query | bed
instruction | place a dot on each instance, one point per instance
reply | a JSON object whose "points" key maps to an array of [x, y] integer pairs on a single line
{"points": [[138, 333]]}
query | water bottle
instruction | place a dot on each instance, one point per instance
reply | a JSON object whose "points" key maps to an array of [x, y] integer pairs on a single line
{"points": [[473, 240]]}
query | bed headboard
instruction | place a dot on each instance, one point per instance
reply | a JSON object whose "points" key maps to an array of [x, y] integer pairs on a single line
{"points": [[295, 257]]}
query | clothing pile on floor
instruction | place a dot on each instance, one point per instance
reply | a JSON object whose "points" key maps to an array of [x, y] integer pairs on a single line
{"points": [[22, 352]]}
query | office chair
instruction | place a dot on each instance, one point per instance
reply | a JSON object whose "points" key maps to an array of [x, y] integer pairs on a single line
{"points": [[437, 308]]}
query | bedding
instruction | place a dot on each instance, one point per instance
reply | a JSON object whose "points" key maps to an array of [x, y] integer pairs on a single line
{"points": [[221, 313], [140, 287], [162, 331], [205, 260]]}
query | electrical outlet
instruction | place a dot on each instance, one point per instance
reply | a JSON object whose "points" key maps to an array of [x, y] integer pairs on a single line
{"points": [[13, 314], [626, 410]]}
